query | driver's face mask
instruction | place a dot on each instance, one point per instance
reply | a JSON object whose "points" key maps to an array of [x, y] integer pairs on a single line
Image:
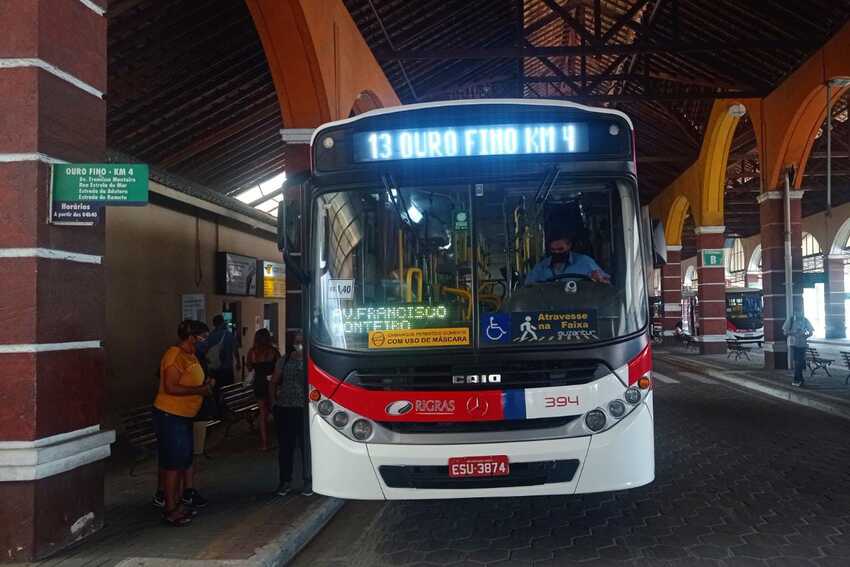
{"points": [[560, 257]]}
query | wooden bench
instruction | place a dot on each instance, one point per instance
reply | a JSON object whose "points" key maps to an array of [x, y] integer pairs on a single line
{"points": [[816, 362], [846, 356], [238, 403], [737, 348]]}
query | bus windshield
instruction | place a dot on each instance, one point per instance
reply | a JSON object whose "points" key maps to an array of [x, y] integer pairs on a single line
{"points": [[744, 309], [549, 264]]}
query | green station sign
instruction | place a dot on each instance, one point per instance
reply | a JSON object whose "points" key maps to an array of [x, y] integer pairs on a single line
{"points": [[712, 258], [80, 190]]}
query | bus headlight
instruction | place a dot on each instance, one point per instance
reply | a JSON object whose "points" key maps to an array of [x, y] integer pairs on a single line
{"points": [[595, 420], [617, 409], [325, 407], [340, 419], [632, 396], [361, 429]]}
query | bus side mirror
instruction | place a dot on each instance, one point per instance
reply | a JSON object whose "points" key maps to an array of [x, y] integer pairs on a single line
{"points": [[659, 245], [289, 228]]}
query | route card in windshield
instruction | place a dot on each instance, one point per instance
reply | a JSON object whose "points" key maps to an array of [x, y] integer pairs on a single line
{"points": [[554, 326]]}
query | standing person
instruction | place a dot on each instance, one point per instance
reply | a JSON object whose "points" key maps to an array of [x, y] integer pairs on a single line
{"points": [[182, 387], [220, 354], [262, 359], [186, 480], [798, 329], [287, 393]]}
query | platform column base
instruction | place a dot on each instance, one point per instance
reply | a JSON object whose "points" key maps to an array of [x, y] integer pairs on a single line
{"points": [[47, 515]]}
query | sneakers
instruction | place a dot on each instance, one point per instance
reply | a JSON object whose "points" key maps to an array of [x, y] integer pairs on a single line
{"points": [[798, 383], [158, 500], [193, 499], [306, 491]]}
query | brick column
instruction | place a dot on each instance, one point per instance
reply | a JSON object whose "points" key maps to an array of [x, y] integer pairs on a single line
{"points": [[711, 292], [835, 324], [772, 213], [52, 79], [671, 291]]}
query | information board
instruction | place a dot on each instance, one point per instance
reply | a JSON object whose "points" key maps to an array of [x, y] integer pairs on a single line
{"points": [[79, 191], [712, 258], [274, 280]]}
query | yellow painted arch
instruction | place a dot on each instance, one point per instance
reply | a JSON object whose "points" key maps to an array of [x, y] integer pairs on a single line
{"points": [[700, 189]]}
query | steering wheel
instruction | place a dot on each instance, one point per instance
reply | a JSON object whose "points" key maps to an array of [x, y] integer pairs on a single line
{"points": [[571, 276]]}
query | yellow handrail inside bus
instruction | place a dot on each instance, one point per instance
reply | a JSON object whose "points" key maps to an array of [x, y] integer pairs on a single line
{"points": [[463, 294], [410, 273], [489, 299]]}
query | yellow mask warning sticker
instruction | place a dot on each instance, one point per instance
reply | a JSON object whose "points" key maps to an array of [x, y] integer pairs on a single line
{"points": [[411, 338]]}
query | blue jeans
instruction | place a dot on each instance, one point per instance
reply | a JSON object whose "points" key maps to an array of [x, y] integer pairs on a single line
{"points": [[799, 354], [175, 440]]}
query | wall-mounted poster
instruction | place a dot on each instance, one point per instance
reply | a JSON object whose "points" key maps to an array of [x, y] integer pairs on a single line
{"points": [[235, 274]]}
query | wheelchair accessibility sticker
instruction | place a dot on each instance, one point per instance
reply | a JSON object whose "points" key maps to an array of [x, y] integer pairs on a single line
{"points": [[496, 327]]}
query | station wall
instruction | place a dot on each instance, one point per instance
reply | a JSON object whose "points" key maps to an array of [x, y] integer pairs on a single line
{"points": [[154, 255]]}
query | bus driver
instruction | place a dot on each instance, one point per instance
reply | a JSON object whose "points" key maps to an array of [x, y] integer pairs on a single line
{"points": [[562, 260]]}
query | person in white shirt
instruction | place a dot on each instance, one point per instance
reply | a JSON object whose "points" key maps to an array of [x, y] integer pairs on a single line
{"points": [[798, 329]]}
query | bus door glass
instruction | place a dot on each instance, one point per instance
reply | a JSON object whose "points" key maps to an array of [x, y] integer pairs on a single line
{"points": [[393, 268]]}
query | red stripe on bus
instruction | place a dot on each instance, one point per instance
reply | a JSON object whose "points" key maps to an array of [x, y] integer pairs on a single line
{"points": [[321, 380]]}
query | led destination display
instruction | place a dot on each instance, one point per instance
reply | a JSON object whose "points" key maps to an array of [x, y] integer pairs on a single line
{"points": [[471, 141], [356, 320]]}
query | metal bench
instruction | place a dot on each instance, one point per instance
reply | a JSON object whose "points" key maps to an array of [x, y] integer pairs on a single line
{"points": [[737, 348], [690, 342], [816, 362], [846, 356], [239, 404], [137, 431]]}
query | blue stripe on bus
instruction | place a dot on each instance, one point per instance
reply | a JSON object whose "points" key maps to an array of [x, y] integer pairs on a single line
{"points": [[513, 402]]}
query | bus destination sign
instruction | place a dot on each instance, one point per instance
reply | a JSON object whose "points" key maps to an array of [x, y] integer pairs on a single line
{"points": [[471, 141]]}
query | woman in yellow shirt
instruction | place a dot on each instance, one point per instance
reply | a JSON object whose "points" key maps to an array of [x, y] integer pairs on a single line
{"points": [[182, 387]]}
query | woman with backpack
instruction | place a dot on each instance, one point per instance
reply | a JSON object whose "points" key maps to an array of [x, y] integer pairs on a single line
{"points": [[261, 361]]}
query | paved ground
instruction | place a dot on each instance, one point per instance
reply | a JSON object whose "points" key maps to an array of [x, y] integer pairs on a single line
{"points": [[753, 366], [243, 516], [742, 479]]}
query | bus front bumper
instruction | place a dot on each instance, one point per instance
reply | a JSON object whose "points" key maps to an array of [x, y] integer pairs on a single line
{"points": [[620, 458]]}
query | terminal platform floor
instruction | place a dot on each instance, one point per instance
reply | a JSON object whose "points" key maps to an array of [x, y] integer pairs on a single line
{"points": [[742, 479], [243, 515]]}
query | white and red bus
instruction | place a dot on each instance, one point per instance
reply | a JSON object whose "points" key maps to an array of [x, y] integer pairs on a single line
{"points": [[438, 366], [744, 314]]}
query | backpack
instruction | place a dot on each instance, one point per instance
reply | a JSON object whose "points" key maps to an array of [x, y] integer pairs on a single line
{"points": [[213, 355]]}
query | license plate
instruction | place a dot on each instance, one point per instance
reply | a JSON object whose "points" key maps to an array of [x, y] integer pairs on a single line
{"points": [[467, 467]]}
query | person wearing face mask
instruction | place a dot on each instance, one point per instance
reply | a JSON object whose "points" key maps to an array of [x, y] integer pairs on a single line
{"points": [[562, 260], [182, 387], [288, 397]]}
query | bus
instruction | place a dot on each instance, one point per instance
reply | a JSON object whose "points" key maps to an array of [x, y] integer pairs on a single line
{"points": [[744, 314], [474, 302]]}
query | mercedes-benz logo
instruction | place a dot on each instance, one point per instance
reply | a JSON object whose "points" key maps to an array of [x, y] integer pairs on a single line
{"points": [[476, 407]]}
